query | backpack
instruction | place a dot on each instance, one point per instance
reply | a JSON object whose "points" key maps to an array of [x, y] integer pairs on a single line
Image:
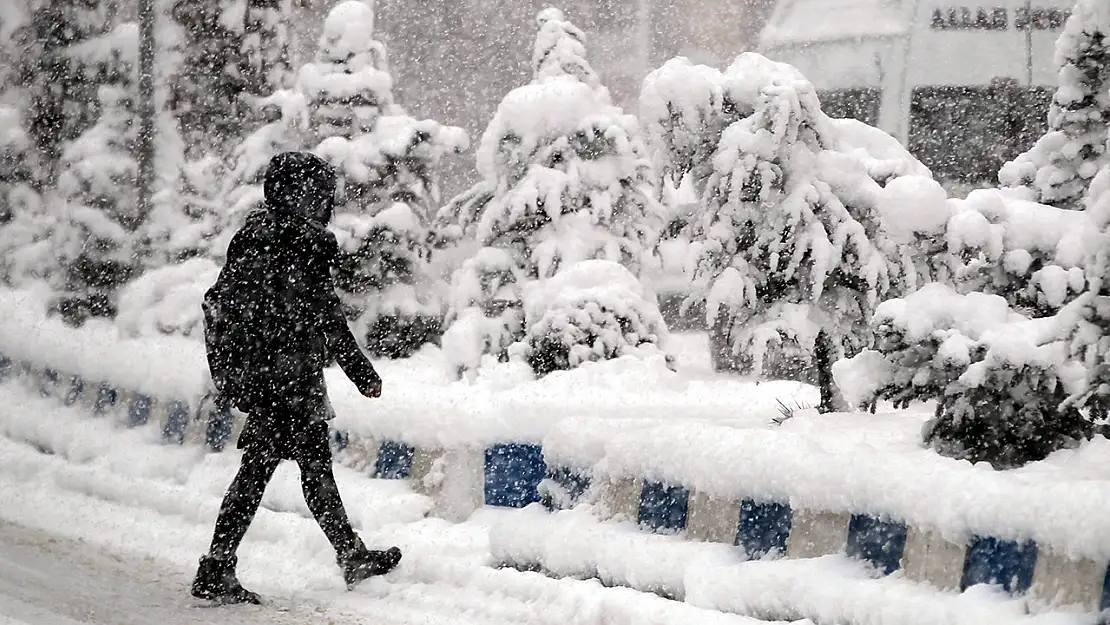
{"points": [[226, 360]]}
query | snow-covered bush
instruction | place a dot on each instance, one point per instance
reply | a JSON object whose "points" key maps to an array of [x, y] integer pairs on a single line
{"points": [[792, 251], [167, 300], [1000, 379], [485, 314], [565, 174], [1060, 166], [593, 310], [387, 161], [96, 238], [1031, 254]]}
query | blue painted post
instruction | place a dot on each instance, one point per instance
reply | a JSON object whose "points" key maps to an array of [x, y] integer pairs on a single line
{"points": [[138, 413], [663, 508], [512, 474], [1003, 562], [218, 429], [394, 461], [105, 399], [76, 387], [177, 419], [764, 527], [877, 542]]}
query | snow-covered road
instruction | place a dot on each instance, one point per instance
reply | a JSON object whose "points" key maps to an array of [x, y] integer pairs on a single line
{"points": [[103, 525]]}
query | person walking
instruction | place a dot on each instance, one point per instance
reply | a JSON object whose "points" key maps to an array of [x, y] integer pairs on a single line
{"points": [[272, 322]]}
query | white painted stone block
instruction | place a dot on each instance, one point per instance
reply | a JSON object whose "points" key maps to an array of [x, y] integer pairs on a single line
{"points": [[816, 533], [454, 479], [1062, 581], [620, 498], [930, 558], [712, 519]]}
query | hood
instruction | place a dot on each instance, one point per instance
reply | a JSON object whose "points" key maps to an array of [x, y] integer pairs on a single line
{"points": [[301, 184]]}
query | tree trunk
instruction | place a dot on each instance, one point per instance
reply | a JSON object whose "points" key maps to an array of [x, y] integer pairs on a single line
{"points": [[145, 143], [823, 358]]}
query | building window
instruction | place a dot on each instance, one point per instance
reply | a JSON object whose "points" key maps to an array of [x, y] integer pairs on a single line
{"points": [[860, 103], [964, 134]]}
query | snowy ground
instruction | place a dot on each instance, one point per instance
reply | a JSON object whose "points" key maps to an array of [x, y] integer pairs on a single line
{"points": [[102, 525]]}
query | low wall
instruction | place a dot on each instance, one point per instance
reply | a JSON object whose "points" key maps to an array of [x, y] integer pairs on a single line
{"points": [[857, 485]]}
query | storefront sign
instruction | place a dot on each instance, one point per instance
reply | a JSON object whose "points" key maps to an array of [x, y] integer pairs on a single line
{"points": [[998, 18]]}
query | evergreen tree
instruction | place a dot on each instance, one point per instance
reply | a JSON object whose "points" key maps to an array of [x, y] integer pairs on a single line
{"points": [[61, 83], [205, 95], [1060, 166], [792, 254], [565, 177], [265, 57], [96, 239], [387, 161]]}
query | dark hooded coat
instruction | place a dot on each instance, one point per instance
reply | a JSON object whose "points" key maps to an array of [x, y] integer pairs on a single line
{"points": [[273, 319]]}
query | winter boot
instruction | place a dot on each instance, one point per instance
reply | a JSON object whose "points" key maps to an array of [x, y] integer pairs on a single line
{"points": [[216, 581], [361, 563]]}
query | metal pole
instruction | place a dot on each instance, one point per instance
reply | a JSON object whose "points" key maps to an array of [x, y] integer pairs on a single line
{"points": [[145, 144]]}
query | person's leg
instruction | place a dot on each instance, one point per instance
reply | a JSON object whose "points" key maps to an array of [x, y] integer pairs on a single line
{"points": [[321, 493], [216, 579], [241, 502]]}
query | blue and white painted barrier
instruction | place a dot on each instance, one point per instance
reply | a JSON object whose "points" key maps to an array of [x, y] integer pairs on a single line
{"points": [[516, 475]]}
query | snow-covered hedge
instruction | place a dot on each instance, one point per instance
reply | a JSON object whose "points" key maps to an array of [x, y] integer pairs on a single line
{"points": [[592, 310], [1000, 380], [167, 300]]}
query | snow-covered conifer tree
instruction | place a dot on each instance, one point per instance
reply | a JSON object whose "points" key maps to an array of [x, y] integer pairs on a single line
{"points": [[96, 238], [792, 251], [1060, 166], [265, 63], [206, 91], [60, 82], [387, 162], [565, 174]]}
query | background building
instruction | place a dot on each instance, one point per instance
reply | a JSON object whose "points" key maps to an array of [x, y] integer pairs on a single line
{"points": [[965, 85]]}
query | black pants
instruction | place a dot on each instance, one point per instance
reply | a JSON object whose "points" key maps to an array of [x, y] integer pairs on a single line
{"points": [[265, 441]]}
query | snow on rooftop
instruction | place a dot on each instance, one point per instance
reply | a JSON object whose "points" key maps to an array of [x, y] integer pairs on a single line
{"points": [[797, 22]]}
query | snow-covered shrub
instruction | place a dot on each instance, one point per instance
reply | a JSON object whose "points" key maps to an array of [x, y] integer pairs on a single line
{"points": [[1085, 322], [1031, 254], [565, 174], [485, 313], [792, 251], [592, 310], [1059, 167], [96, 238], [999, 378], [182, 225], [387, 162], [167, 300]]}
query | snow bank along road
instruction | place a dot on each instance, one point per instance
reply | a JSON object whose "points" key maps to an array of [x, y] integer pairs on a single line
{"points": [[100, 525]]}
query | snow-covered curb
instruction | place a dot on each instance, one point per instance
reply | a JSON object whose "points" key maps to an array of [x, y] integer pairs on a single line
{"points": [[679, 460]]}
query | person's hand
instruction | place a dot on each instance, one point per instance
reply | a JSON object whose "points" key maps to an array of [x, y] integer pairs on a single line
{"points": [[374, 391]]}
